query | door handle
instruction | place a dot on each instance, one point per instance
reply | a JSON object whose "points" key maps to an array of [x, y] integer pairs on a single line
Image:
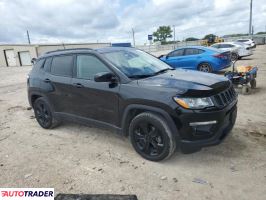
{"points": [[78, 85], [47, 80]]}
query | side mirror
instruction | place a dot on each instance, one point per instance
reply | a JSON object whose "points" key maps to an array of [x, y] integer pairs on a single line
{"points": [[105, 77], [33, 60]]}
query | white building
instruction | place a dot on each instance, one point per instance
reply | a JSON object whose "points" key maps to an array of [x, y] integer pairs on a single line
{"points": [[21, 54]]}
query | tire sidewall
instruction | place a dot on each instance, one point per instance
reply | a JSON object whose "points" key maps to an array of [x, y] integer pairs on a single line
{"points": [[43, 101], [159, 123], [209, 66], [236, 56]]}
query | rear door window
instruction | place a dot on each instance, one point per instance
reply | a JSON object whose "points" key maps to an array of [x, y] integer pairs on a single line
{"points": [[62, 65], [192, 51]]}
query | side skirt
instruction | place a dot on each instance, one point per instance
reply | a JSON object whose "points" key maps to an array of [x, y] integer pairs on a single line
{"points": [[88, 121]]}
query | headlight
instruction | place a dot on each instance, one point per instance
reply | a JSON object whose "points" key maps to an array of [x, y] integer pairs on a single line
{"points": [[194, 103]]}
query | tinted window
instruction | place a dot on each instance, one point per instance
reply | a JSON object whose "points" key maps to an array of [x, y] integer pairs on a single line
{"points": [[62, 66], [88, 66], [193, 51], [242, 40], [47, 64], [39, 63], [176, 53], [216, 45], [226, 45]]}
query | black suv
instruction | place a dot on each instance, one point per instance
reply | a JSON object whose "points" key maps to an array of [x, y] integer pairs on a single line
{"points": [[161, 109]]}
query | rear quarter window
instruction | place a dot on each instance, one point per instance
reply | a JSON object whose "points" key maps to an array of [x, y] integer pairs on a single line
{"points": [[39, 63], [47, 64]]}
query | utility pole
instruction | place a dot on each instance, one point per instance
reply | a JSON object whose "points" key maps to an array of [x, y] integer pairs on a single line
{"points": [[174, 32], [133, 36], [28, 35], [250, 19], [252, 30]]}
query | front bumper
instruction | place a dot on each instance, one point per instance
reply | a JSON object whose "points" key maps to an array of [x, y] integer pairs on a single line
{"points": [[194, 136]]}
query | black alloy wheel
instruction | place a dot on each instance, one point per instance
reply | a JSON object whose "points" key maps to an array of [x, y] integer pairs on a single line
{"points": [[43, 114], [151, 137]]}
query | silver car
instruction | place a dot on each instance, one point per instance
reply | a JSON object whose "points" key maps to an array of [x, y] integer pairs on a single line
{"points": [[238, 49]]}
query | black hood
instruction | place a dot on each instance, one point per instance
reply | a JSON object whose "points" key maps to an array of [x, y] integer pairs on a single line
{"points": [[188, 82]]}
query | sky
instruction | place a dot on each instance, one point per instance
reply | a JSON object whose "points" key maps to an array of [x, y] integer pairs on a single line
{"points": [[70, 21]]}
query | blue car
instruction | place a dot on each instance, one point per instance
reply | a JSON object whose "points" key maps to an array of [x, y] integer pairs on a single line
{"points": [[206, 59]]}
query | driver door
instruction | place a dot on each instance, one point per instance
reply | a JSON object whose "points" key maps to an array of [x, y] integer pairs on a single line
{"points": [[93, 100]]}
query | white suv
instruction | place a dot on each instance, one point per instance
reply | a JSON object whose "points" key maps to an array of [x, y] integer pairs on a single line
{"points": [[249, 42]]}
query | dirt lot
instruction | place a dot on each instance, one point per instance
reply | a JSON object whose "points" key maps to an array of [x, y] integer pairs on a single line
{"points": [[79, 159]]}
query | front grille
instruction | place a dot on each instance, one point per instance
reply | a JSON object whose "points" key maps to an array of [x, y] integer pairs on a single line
{"points": [[226, 97]]}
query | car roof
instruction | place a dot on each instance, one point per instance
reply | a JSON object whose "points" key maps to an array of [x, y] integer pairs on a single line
{"points": [[194, 47], [82, 50]]}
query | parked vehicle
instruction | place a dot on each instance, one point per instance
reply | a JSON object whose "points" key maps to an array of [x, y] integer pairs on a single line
{"points": [[200, 58], [237, 49], [249, 42], [161, 109]]}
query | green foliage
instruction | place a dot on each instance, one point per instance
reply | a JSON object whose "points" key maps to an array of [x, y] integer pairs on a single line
{"points": [[162, 33], [192, 39], [209, 36], [236, 35], [260, 33]]}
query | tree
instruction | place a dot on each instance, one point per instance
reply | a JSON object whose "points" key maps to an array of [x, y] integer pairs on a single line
{"points": [[209, 36], [192, 39], [260, 33], [162, 33]]}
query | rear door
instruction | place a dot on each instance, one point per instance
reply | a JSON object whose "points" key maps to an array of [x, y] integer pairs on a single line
{"points": [[175, 58], [58, 80], [93, 100], [191, 58]]}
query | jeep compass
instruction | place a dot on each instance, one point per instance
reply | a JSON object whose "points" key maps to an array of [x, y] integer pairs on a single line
{"points": [[159, 108]]}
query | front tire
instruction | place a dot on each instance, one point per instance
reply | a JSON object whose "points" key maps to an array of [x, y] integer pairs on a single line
{"points": [[151, 137], [43, 114], [205, 67], [235, 57]]}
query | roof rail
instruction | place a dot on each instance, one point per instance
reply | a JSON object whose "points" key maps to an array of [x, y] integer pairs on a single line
{"points": [[58, 50]]}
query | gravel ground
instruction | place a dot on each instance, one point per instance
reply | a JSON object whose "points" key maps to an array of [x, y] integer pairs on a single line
{"points": [[79, 159]]}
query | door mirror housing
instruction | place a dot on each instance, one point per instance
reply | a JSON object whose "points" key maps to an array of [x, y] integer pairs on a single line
{"points": [[105, 77]]}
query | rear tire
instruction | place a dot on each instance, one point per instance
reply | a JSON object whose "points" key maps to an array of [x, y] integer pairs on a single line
{"points": [[151, 137], [43, 114], [205, 67], [234, 57]]}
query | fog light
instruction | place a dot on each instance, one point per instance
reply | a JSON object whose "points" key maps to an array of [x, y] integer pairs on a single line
{"points": [[202, 123]]}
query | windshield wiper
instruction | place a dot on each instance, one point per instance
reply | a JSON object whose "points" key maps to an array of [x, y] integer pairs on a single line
{"points": [[162, 71], [141, 75], [149, 75]]}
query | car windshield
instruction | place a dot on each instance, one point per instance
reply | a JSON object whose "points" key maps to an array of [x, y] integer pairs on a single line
{"points": [[136, 63]]}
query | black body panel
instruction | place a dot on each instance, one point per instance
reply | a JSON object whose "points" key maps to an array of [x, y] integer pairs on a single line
{"points": [[113, 104]]}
